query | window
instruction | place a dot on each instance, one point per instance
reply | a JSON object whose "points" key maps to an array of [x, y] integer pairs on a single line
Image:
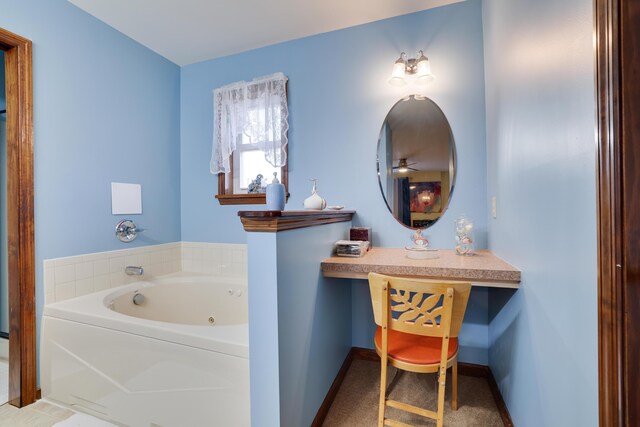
{"points": [[248, 163], [250, 138]]}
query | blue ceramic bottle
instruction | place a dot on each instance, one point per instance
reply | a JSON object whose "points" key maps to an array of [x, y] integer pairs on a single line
{"points": [[275, 195]]}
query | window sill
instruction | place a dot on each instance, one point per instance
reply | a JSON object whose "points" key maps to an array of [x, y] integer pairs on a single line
{"points": [[242, 199]]}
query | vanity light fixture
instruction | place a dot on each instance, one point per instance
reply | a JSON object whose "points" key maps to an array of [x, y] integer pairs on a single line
{"points": [[418, 66]]}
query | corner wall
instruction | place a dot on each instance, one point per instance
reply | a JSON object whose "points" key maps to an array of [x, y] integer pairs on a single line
{"points": [[338, 100], [299, 323], [105, 109], [539, 69]]}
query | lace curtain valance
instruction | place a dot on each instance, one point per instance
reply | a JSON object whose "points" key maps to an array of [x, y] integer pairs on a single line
{"points": [[257, 109]]}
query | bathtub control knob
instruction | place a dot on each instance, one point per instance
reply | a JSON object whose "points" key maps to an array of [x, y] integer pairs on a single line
{"points": [[138, 299], [212, 320], [230, 291]]}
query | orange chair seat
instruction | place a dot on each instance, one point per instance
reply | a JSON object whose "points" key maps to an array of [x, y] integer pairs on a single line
{"points": [[416, 349]]}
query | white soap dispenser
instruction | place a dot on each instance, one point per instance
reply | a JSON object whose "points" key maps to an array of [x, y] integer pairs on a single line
{"points": [[314, 201]]}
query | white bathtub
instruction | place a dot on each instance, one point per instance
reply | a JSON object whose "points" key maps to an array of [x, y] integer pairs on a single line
{"points": [[160, 363]]}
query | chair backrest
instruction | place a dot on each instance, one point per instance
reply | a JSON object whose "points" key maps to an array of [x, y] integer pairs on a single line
{"points": [[418, 306]]}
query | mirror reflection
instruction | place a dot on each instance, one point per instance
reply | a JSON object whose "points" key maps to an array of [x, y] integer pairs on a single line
{"points": [[416, 162]]}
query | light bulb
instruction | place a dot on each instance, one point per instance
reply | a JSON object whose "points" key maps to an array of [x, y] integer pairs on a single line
{"points": [[398, 73], [423, 70]]}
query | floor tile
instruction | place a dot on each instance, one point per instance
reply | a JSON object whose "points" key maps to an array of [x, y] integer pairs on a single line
{"points": [[83, 420]]}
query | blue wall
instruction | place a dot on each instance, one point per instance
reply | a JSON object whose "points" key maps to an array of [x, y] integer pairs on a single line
{"points": [[338, 99], [264, 354], [539, 68], [299, 324], [105, 109], [314, 321], [98, 95]]}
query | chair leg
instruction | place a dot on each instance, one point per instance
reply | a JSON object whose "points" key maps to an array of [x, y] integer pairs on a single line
{"points": [[442, 381], [454, 384], [383, 391]]}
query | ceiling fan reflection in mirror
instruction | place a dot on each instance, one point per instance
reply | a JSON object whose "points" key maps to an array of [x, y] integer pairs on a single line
{"points": [[404, 167]]}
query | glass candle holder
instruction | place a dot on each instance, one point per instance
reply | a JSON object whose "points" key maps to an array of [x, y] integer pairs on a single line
{"points": [[463, 228]]}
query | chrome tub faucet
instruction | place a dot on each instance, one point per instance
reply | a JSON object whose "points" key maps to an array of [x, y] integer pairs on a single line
{"points": [[133, 270]]}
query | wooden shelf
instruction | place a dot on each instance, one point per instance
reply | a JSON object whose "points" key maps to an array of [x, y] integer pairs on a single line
{"points": [[274, 221], [242, 199], [482, 269]]}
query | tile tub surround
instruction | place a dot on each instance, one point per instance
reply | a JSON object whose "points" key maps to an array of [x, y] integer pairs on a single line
{"points": [[220, 259], [68, 277]]}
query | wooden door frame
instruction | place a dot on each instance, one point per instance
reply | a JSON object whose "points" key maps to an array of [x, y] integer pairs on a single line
{"points": [[20, 226], [618, 101]]}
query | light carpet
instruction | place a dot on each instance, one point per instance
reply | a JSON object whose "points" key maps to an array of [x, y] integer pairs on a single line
{"points": [[356, 403]]}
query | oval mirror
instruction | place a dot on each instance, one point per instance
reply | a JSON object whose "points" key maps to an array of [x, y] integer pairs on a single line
{"points": [[416, 162]]}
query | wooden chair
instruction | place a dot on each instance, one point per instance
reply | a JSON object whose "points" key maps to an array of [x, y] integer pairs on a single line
{"points": [[418, 325]]}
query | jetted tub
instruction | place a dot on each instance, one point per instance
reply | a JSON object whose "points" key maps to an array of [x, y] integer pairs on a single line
{"points": [[179, 358]]}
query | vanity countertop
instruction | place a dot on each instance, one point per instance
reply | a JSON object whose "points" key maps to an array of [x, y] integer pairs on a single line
{"points": [[482, 269]]}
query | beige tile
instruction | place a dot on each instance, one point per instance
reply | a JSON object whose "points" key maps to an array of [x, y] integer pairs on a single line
{"points": [[52, 410], [145, 259], [166, 255], [49, 277], [65, 273], [187, 252], [226, 257], [116, 264], [84, 270], [176, 252], [226, 269], [155, 257], [216, 268], [7, 411], [149, 270], [100, 266], [70, 260], [162, 269], [27, 417], [208, 268], [100, 283], [132, 260], [238, 256], [50, 296]]}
